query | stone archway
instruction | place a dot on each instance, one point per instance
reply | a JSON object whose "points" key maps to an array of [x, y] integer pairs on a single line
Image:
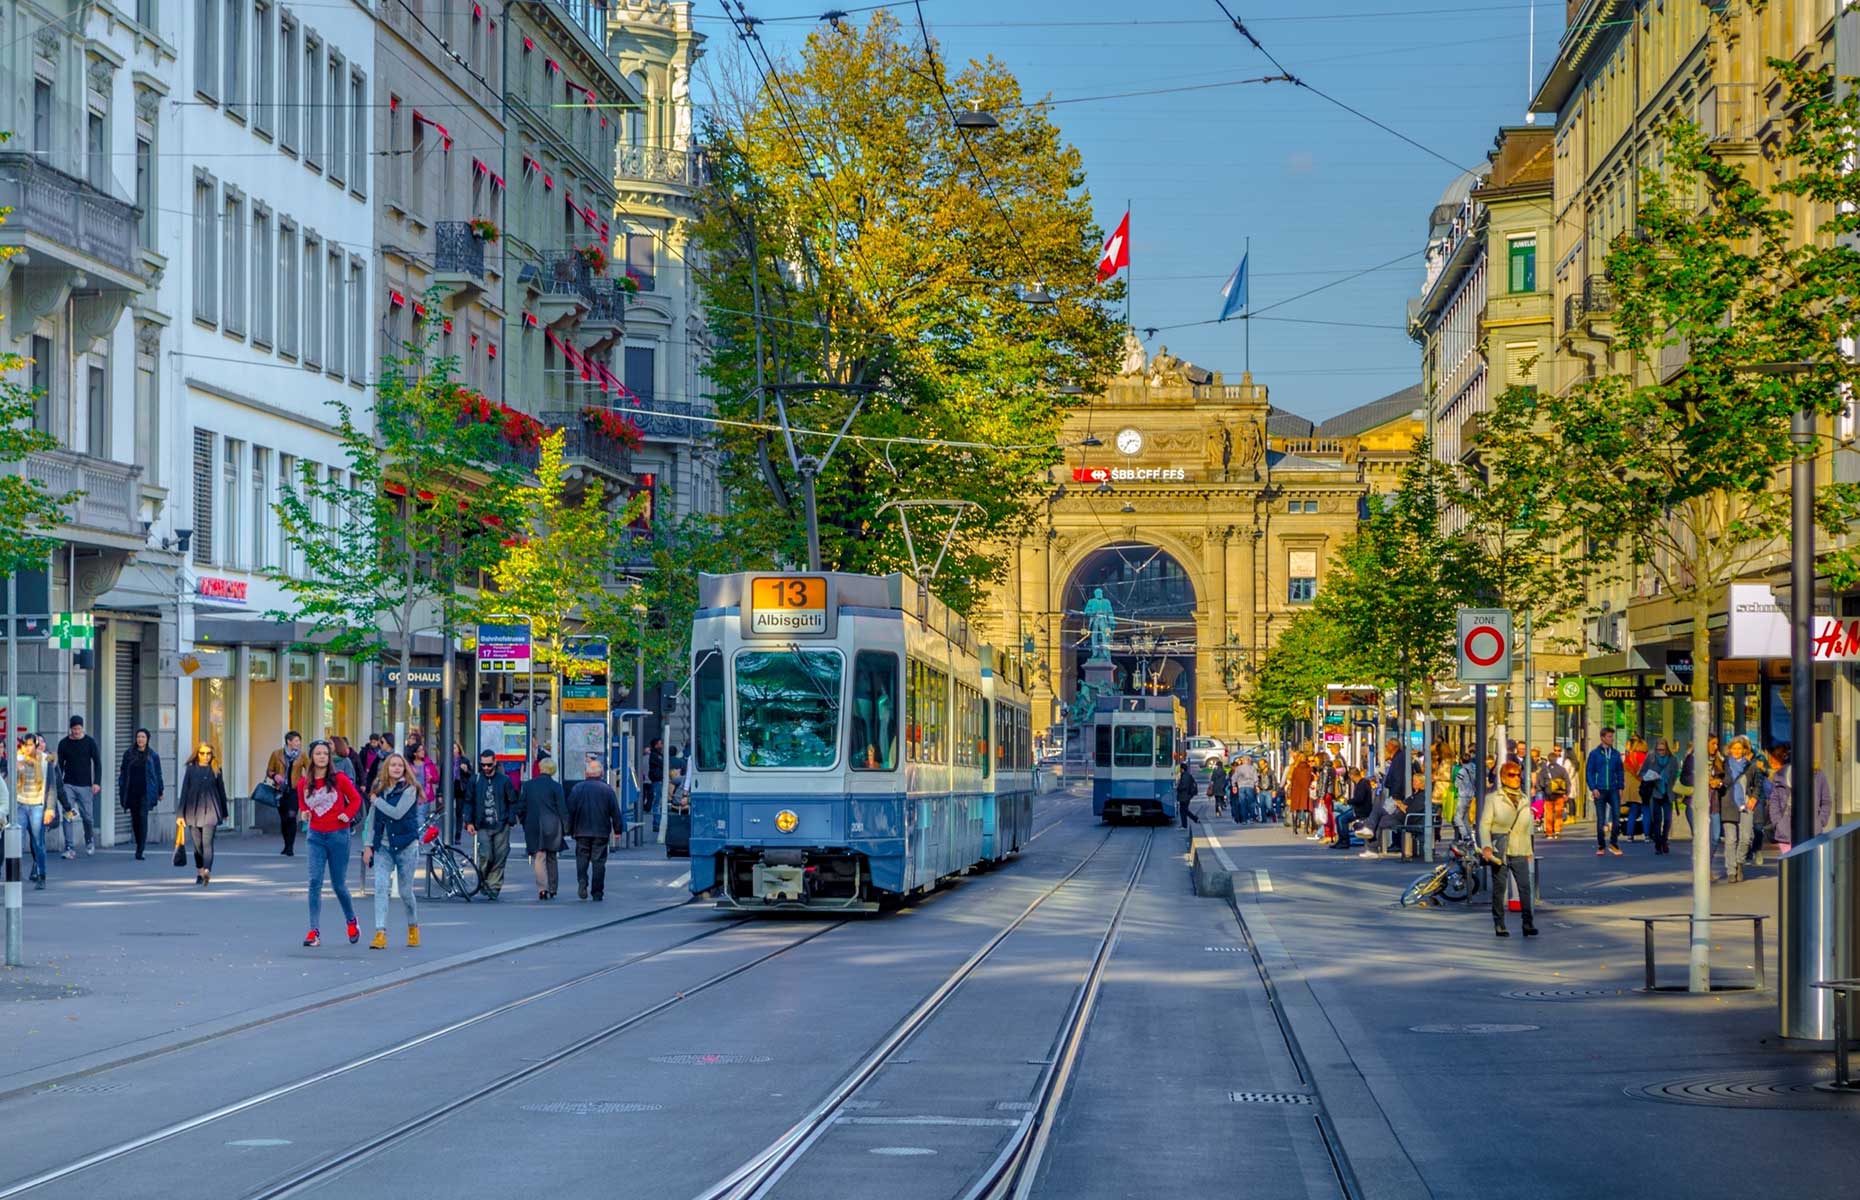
{"points": [[1153, 594]]}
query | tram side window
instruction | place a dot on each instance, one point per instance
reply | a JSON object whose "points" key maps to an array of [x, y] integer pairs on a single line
{"points": [[989, 735], [1103, 747], [1165, 747], [712, 713], [1132, 745], [926, 705], [872, 741], [1025, 758]]}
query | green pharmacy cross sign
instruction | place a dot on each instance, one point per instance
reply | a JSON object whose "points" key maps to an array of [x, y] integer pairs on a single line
{"points": [[73, 631]]}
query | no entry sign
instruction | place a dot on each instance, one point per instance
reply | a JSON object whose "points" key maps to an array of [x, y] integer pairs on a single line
{"points": [[1485, 645]]}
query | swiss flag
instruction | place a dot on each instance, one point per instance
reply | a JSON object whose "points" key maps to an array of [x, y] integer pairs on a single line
{"points": [[1116, 254]]}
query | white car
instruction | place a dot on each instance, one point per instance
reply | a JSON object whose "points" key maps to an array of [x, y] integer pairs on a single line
{"points": [[1201, 750]]}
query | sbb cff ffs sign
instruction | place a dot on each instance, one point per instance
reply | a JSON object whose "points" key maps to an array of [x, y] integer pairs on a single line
{"points": [[788, 604], [1484, 645]]}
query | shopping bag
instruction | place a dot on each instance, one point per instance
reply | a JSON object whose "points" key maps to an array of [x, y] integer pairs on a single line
{"points": [[180, 842]]}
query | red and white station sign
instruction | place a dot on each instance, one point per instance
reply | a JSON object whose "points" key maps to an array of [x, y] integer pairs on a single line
{"points": [[1484, 645]]}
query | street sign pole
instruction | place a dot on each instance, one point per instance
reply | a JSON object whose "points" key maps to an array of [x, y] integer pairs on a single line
{"points": [[15, 885], [1484, 651]]}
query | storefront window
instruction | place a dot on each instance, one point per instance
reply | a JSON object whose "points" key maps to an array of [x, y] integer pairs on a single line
{"points": [[211, 701]]}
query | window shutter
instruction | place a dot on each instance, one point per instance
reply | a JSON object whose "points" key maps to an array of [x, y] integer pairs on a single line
{"points": [[203, 497]]}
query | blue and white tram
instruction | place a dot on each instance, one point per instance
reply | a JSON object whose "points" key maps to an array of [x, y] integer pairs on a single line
{"points": [[1135, 742], [842, 746], [1007, 821]]}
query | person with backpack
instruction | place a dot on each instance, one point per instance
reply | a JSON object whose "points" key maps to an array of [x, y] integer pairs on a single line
{"points": [[1185, 794], [1217, 784]]}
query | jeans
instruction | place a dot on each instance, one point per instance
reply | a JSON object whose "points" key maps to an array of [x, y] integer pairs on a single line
{"points": [[1246, 804], [493, 853], [1737, 842], [395, 862], [547, 873], [1636, 819], [329, 851], [33, 815], [591, 866], [200, 838], [78, 800], [1607, 814], [1520, 871], [1717, 826], [1660, 822]]}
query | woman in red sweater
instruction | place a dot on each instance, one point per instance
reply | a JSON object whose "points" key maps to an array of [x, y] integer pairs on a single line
{"points": [[329, 799]]}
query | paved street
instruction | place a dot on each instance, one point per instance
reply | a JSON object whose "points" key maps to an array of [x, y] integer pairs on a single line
{"points": [[167, 1033]]}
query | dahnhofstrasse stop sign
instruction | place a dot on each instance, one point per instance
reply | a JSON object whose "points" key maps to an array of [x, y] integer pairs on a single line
{"points": [[1484, 647]]}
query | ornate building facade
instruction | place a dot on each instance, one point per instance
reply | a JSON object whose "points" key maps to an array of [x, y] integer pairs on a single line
{"points": [[1208, 518]]}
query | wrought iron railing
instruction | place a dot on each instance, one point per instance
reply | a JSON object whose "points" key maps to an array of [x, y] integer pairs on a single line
{"points": [[1598, 294], [566, 272], [457, 250], [67, 210], [582, 438], [609, 302]]}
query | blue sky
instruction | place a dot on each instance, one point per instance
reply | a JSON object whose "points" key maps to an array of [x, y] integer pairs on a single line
{"points": [[1322, 193]]}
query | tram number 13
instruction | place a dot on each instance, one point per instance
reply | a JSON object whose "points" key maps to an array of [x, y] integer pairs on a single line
{"points": [[787, 604]]}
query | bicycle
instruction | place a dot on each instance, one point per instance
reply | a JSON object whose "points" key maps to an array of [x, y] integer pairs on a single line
{"points": [[1456, 878], [454, 871]]}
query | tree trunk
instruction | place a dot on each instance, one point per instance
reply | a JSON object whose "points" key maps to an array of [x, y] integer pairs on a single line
{"points": [[1698, 972]]}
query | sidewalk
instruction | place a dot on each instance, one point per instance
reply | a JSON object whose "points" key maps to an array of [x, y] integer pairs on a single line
{"points": [[123, 957], [1451, 1060]]}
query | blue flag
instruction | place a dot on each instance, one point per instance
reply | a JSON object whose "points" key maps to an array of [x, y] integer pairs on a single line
{"points": [[1233, 292]]}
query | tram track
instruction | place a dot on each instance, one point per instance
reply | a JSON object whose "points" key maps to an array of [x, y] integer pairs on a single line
{"points": [[1012, 1172]]}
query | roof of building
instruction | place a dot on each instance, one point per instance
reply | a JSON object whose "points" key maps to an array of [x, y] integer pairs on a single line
{"points": [[1376, 413], [1287, 425], [1279, 460]]}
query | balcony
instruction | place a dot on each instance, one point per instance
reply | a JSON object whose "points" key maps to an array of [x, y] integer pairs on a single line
{"points": [[584, 441], [607, 318], [680, 168], [108, 503], [670, 420], [458, 257], [567, 284], [67, 220], [1598, 294]]}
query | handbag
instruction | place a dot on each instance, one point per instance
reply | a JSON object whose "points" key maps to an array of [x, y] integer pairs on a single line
{"points": [[180, 841], [266, 795]]}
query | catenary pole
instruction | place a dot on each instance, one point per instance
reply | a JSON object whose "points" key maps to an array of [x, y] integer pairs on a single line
{"points": [[15, 886]]}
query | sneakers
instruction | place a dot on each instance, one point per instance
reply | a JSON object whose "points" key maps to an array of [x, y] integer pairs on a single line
{"points": [[1615, 850], [313, 938], [355, 932], [1370, 854], [70, 854], [90, 848], [380, 940], [413, 936], [1599, 852]]}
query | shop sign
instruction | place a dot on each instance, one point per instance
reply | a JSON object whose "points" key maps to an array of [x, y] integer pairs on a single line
{"points": [[425, 679], [1759, 628], [73, 631], [220, 590], [504, 649], [1338, 695], [1611, 691], [1543, 706], [204, 664], [1738, 670], [1129, 474], [1572, 691]]}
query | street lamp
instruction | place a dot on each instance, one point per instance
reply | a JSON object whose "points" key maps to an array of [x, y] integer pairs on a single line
{"points": [[976, 119]]}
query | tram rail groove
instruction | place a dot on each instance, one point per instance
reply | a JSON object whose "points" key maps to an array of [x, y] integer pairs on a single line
{"points": [[247, 1103], [53, 1082], [754, 1179]]}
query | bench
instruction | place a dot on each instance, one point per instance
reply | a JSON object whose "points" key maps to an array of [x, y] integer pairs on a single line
{"points": [[1844, 991], [1647, 928]]}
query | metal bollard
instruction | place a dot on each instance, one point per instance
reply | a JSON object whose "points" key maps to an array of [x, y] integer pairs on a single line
{"points": [[15, 900]]}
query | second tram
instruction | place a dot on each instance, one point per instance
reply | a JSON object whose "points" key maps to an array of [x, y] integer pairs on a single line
{"points": [[1136, 744]]}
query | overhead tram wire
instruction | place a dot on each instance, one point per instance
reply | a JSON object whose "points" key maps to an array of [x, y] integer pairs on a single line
{"points": [[1400, 258]]}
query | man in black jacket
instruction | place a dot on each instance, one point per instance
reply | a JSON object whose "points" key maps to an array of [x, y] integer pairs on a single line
{"points": [[81, 765], [489, 809], [594, 819]]}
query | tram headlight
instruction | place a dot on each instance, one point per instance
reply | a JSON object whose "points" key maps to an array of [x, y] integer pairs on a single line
{"points": [[786, 820]]}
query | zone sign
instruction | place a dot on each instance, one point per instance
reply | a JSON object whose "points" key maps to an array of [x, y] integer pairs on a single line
{"points": [[1484, 645]]}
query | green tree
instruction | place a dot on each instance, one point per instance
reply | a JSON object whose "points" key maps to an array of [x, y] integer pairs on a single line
{"points": [[557, 569], [662, 599], [883, 248], [388, 544], [1310, 652], [28, 509], [1730, 319]]}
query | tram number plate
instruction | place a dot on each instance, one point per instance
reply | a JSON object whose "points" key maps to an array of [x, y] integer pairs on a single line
{"points": [[1132, 810], [788, 604]]}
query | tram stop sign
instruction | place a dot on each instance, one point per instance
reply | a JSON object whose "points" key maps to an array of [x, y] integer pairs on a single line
{"points": [[1484, 645]]}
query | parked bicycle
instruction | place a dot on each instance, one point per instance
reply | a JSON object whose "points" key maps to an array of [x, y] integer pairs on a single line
{"points": [[1457, 878], [450, 869]]}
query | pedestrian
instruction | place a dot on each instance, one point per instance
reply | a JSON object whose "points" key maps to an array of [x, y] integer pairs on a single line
{"points": [[394, 805], [1564, 760], [31, 770], [1505, 843], [372, 754], [542, 810], [1782, 799], [1184, 794], [489, 810], [1466, 795], [283, 770], [1739, 793], [346, 760], [425, 774], [655, 775], [1361, 807], [1606, 774], [139, 787], [1299, 782], [1246, 790], [1634, 788], [1217, 784], [1657, 794], [80, 764], [1555, 786], [1714, 785], [200, 806], [332, 804], [1446, 793], [594, 820]]}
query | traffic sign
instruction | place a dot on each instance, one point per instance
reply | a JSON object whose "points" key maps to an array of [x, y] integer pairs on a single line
{"points": [[1484, 645], [504, 649], [73, 631]]}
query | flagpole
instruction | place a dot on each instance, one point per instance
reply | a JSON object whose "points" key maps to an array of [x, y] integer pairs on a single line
{"points": [[1247, 257], [1128, 258]]}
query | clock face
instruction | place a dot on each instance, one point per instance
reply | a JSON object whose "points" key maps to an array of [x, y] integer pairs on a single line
{"points": [[1129, 441]]}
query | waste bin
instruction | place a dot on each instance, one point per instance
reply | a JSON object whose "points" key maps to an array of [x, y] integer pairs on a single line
{"points": [[678, 834], [1819, 930]]}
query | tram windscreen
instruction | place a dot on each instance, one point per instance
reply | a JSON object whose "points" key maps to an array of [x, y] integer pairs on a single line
{"points": [[1132, 745], [787, 707]]}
